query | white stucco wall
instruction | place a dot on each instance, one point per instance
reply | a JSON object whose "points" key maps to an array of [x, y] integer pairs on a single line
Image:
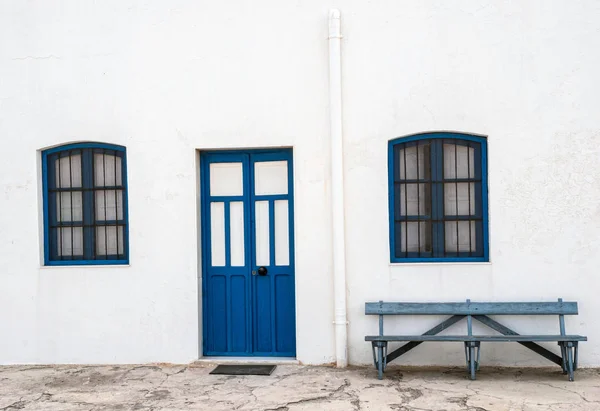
{"points": [[166, 79]]}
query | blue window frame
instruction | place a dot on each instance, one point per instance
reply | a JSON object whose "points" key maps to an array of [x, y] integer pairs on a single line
{"points": [[85, 205], [438, 198]]}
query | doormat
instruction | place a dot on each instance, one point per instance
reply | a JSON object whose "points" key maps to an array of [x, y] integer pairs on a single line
{"points": [[235, 369]]}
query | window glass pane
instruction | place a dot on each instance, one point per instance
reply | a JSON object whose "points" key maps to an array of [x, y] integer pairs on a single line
{"points": [[109, 205], [109, 240], [459, 161], [415, 236], [107, 170], [459, 198], [415, 199], [407, 158], [69, 206], [460, 236], [70, 241], [67, 170]]}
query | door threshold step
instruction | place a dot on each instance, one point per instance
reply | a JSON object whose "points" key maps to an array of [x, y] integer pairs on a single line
{"points": [[248, 360]]}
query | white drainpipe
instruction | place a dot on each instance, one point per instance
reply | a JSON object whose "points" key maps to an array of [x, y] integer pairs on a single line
{"points": [[337, 188]]}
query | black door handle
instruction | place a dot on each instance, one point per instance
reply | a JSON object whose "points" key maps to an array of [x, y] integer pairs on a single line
{"points": [[262, 271]]}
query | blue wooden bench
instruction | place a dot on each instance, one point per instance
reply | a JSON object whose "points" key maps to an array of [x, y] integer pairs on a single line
{"points": [[480, 312]]}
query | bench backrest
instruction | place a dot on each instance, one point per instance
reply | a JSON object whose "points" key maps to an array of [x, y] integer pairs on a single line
{"points": [[472, 308]]}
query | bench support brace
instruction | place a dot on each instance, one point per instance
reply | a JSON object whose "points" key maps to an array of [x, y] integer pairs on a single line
{"points": [[495, 325], [435, 330]]}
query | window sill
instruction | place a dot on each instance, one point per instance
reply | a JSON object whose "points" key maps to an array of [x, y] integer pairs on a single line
{"points": [[438, 263], [45, 267]]}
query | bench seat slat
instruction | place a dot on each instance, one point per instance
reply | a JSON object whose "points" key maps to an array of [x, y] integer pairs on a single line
{"points": [[490, 338], [473, 308]]}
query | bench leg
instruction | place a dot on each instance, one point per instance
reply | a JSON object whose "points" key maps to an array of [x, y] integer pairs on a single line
{"points": [[563, 354], [569, 351], [570, 362], [571, 348], [380, 356], [472, 351], [472, 361], [575, 360], [380, 363], [374, 354]]}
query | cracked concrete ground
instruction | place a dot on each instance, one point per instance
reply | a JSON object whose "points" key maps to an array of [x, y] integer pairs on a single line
{"points": [[292, 388]]}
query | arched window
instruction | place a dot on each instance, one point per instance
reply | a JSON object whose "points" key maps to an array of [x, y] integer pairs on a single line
{"points": [[85, 204], [438, 198]]}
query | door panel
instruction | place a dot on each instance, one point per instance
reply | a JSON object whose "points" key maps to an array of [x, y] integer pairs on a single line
{"points": [[284, 285], [239, 311], [247, 238], [262, 312], [218, 312]]}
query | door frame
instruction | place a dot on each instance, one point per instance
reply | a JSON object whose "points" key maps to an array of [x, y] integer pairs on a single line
{"points": [[284, 153]]}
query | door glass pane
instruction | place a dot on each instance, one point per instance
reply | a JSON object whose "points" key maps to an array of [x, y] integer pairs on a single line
{"points": [[236, 233], [217, 234], [460, 236], [226, 179], [262, 233], [107, 170], [270, 177], [282, 233]]}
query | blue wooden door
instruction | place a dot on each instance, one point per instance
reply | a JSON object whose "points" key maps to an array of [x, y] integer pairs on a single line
{"points": [[247, 253]]}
